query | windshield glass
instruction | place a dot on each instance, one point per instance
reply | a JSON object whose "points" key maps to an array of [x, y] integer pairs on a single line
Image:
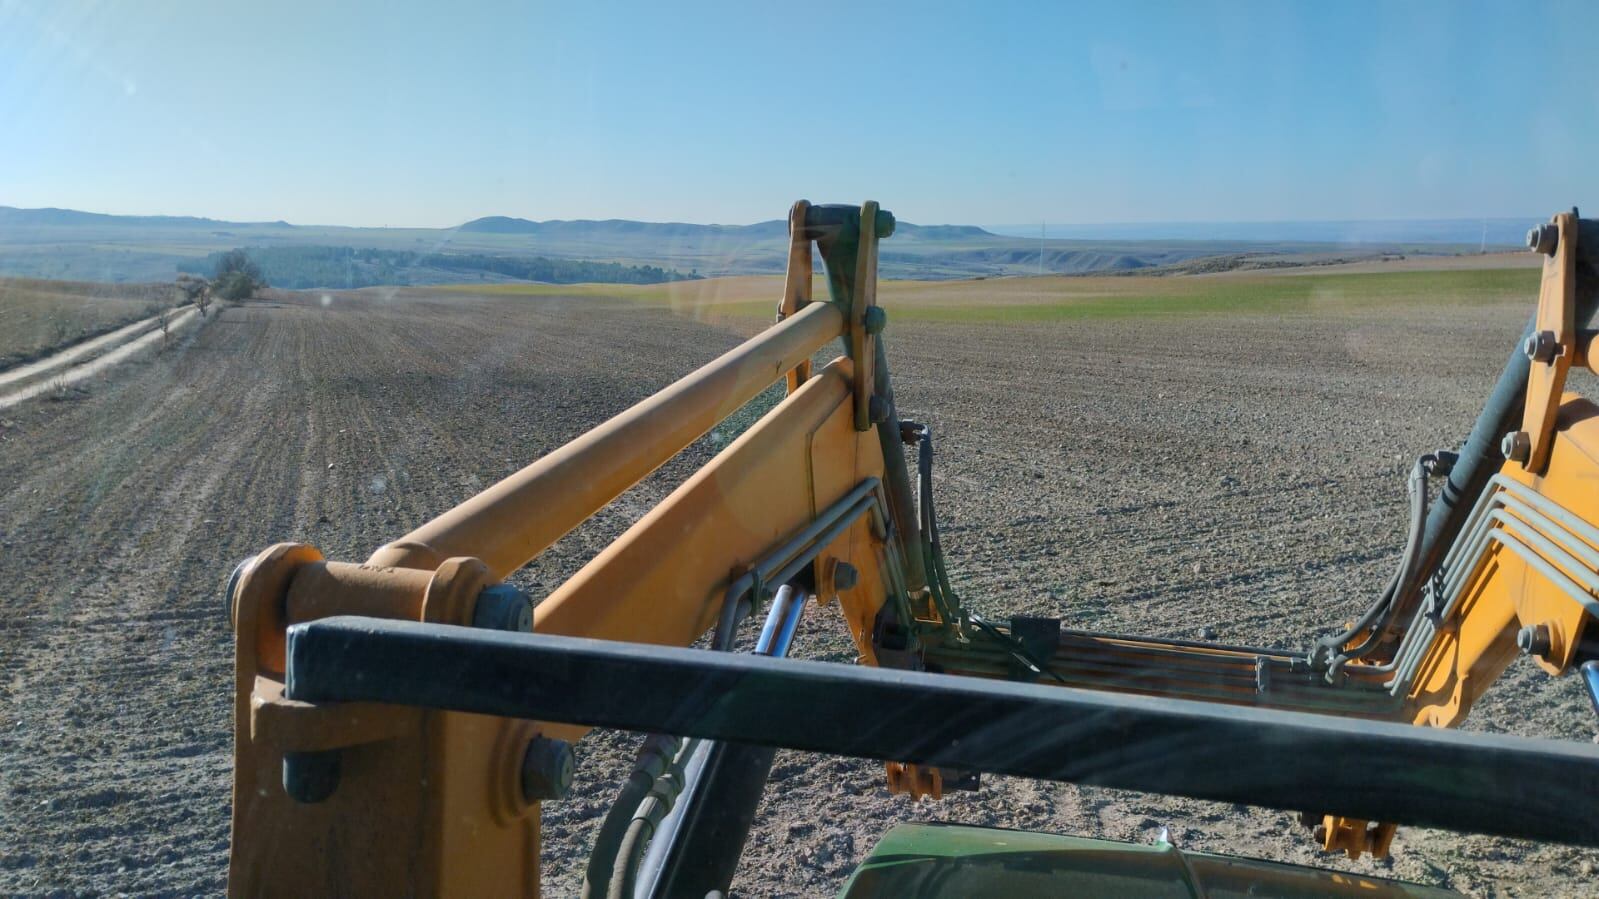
{"points": [[1129, 381]]}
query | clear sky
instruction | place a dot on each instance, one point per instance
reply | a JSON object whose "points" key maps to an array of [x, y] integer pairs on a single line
{"points": [[401, 113]]}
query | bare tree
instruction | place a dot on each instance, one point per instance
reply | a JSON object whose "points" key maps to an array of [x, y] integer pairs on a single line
{"points": [[196, 291]]}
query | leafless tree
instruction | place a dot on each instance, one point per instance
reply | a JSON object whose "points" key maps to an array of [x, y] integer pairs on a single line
{"points": [[196, 291]]}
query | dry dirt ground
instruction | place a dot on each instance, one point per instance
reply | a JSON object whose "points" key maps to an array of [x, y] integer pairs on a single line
{"points": [[1153, 475]]}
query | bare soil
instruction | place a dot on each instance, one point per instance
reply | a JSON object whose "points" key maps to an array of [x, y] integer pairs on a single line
{"points": [[1151, 475]]}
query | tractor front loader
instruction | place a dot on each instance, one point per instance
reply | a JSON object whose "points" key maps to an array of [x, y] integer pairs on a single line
{"points": [[399, 721]]}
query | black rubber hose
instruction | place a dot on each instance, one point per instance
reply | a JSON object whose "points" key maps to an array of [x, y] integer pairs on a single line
{"points": [[653, 758], [716, 822], [937, 575], [628, 854], [896, 476], [1379, 616]]}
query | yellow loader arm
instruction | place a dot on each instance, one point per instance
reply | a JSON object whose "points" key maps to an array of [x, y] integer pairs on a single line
{"points": [[399, 721]]}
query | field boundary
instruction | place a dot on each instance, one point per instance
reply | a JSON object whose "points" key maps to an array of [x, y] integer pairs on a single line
{"points": [[78, 353], [57, 373]]}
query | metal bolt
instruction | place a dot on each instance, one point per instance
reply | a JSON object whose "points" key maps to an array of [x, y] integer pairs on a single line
{"points": [[311, 777], [1320, 834], [1534, 640], [1516, 446], [547, 769], [845, 576], [1543, 347], [885, 224], [1543, 239], [877, 410], [502, 607], [876, 319]]}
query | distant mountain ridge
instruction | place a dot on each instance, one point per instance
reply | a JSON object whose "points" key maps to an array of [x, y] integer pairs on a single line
{"points": [[50, 215], [500, 224], [1481, 232], [490, 224], [69, 244]]}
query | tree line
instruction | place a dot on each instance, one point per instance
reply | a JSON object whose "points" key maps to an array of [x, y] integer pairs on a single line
{"points": [[349, 267]]}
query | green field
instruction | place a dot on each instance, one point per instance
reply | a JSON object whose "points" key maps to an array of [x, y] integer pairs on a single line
{"points": [[1053, 298]]}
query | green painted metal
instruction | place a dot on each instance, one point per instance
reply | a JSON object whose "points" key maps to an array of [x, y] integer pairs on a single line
{"points": [[936, 861]]}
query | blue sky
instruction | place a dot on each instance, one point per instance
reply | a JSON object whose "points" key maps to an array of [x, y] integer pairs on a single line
{"points": [[400, 113]]}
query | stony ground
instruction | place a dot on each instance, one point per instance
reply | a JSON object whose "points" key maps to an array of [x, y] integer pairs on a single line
{"points": [[1154, 475]]}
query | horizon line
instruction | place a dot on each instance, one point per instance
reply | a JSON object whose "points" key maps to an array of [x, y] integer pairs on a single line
{"points": [[1145, 223]]}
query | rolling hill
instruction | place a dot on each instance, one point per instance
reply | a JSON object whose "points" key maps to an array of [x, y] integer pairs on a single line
{"points": [[75, 245]]}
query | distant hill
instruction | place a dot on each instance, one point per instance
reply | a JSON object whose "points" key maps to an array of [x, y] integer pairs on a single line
{"points": [[1476, 233], [87, 246], [940, 232], [500, 224], [11, 216]]}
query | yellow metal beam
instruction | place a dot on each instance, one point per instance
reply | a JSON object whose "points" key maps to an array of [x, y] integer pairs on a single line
{"points": [[664, 580], [513, 521], [797, 283]]}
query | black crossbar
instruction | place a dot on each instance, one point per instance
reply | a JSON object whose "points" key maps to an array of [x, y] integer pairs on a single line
{"points": [[1509, 786]]}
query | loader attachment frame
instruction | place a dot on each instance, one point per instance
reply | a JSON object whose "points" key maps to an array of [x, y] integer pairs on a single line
{"points": [[400, 721]]}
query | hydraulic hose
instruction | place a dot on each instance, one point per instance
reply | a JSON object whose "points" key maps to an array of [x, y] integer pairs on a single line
{"points": [[641, 828], [1480, 457], [1379, 617], [654, 757], [943, 594], [712, 787]]}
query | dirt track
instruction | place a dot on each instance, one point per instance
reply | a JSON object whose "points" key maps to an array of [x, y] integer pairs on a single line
{"points": [[1158, 476]]}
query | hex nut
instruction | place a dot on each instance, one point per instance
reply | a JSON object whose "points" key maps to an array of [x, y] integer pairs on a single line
{"points": [[311, 777], [502, 607], [876, 319], [1516, 446], [1543, 239], [845, 576], [547, 769], [877, 410], [1543, 347], [1534, 640]]}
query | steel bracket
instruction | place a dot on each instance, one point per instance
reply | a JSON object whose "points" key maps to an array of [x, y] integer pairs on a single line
{"points": [[797, 283], [1554, 341]]}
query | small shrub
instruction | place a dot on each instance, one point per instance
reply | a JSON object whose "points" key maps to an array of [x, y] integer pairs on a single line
{"points": [[237, 276], [59, 391]]}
